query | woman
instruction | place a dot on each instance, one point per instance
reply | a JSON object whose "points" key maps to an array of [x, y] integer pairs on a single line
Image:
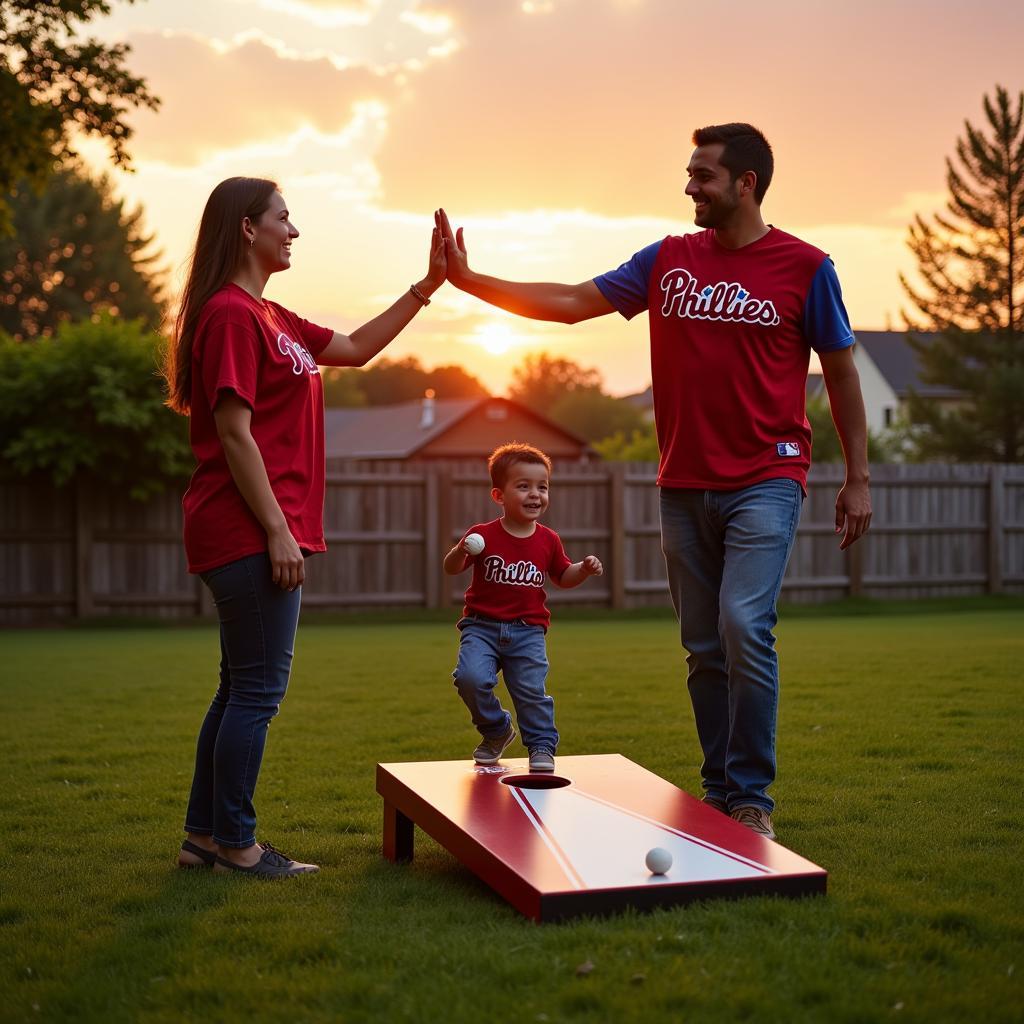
{"points": [[245, 370]]}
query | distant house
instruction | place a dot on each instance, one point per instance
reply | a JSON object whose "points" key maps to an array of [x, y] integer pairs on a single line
{"points": [[451, 429], [888, 372]]}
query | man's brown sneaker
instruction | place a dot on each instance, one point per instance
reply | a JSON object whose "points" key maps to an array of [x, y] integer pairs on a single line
{"points": [[757, 819], [713, 801]]}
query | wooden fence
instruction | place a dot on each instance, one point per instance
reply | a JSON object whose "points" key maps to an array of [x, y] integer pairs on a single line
{"points": [[84, 552]]}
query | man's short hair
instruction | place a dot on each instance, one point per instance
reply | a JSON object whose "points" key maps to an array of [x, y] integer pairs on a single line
{"points": [[746, 149], [505, 456]]}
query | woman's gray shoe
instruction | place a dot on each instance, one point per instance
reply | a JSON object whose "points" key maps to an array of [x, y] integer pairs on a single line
{"points": [[272, 864]]}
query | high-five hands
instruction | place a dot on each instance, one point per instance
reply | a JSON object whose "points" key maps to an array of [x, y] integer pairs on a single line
{"points": [[437, 265], [455, 249]]}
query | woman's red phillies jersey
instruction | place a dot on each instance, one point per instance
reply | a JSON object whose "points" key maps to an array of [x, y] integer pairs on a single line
{"points": [[265, 354], [729, 359], [509, 574]]}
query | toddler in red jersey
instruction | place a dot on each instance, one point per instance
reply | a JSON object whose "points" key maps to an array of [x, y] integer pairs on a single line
{"points": [[505, 619]]}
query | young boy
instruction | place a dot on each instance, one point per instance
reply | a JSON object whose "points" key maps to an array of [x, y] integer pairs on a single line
{"points": [[505, 618]]}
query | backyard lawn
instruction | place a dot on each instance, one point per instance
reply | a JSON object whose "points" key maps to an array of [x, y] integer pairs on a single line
{"points": [[900, 751]]}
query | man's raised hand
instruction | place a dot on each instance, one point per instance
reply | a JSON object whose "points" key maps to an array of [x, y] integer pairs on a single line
{"points": [[455, 249]]}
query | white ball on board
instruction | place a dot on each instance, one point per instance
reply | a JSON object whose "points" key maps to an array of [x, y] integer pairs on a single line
{"points": [[658, 860]]}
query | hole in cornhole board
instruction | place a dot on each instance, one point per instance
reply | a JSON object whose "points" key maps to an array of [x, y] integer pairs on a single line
{"points": [[536, 781]]}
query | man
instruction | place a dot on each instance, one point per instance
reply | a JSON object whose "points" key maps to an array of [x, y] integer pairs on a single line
{"points": [[734, 312]]}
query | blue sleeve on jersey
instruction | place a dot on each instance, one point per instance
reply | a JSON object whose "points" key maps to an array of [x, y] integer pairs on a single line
{"points": [[826, 323], [626, 287]]}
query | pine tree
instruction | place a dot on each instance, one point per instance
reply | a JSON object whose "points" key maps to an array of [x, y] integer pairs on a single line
{"points": [[971, 261], [76, 251]]}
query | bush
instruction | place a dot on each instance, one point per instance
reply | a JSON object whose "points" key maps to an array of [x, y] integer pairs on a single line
{"points": [[639, 446], [89, 402]]}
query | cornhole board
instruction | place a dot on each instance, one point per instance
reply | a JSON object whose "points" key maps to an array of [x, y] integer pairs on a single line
{"points": [[556, 846]]}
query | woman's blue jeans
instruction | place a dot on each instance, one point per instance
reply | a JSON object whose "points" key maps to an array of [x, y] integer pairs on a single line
{"points": [[726, 553], [257, 637], [518, 650]]}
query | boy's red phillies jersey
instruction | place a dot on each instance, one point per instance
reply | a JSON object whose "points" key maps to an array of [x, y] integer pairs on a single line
{"points": [[729, 359], [509, 574], [265, 354]]}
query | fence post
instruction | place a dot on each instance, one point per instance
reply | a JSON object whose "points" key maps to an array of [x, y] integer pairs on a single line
{"points": [[442, 536], [855, 568], [432, 553], [995, 529], [84, 606], [617, 534]]}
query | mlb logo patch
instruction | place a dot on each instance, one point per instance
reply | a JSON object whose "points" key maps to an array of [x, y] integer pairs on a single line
{"points": [[788, 449]]}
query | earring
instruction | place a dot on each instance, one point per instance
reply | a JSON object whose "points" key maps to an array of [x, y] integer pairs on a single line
{"points": [[252, 242]]}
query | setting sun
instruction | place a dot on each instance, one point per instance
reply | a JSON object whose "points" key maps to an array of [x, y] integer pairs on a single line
{"points": [[496, 338]]}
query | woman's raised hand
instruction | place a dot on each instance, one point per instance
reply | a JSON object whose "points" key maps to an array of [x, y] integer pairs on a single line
{"points": [[437, 268]]}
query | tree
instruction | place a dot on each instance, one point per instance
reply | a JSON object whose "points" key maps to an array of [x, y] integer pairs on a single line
{"points": [[593, 415], [826, 446], [454, 382], [52, 85], [391, 381], [542, 380], [640, 445], [75, 251], [971, 261], [88, 402], [342, 389]]}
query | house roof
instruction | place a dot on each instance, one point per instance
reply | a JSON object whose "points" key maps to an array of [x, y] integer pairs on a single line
{"points": [[397, 431], [897, 363]]}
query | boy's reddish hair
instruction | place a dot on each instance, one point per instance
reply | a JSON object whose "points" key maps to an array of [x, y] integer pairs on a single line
{"points": [[505, 456]]}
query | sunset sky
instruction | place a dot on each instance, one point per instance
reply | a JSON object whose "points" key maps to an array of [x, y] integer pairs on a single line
{"points": [[557, 132]]}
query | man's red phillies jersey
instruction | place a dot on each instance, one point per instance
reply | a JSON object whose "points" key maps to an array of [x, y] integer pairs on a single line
{"points": [[729, 359], [509, 574], [265, 354], [731, 335]]}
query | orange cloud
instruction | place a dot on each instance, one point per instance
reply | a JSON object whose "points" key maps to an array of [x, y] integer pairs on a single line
{"points": [[593, 104], [220, 98]]}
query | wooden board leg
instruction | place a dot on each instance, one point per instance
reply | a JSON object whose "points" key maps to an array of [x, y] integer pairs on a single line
{"points": [[397, 835]]}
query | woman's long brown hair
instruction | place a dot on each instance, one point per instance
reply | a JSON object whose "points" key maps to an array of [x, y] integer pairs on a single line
{"points": [[217, 256]]}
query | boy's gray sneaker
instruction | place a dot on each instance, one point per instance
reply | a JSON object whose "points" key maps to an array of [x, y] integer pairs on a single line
{"points": [[490, 750], [541, 760]]}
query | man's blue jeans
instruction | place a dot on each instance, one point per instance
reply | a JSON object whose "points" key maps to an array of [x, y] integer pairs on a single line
{"points": [[257, 637], [726, 554], [519, 651]]}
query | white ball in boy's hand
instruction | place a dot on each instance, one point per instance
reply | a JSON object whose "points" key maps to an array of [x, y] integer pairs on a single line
{"points": [[473, 543]]}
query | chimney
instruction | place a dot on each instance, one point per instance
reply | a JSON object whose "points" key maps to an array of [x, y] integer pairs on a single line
{"points": [[427, 416]]}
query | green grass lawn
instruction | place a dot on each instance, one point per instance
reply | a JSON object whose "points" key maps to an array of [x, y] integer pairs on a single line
{"points": [[900, 750]]}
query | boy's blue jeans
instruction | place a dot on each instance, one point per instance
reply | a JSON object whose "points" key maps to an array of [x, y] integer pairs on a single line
{"points": [[726, 554], [519, 652], [257, 638]]}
